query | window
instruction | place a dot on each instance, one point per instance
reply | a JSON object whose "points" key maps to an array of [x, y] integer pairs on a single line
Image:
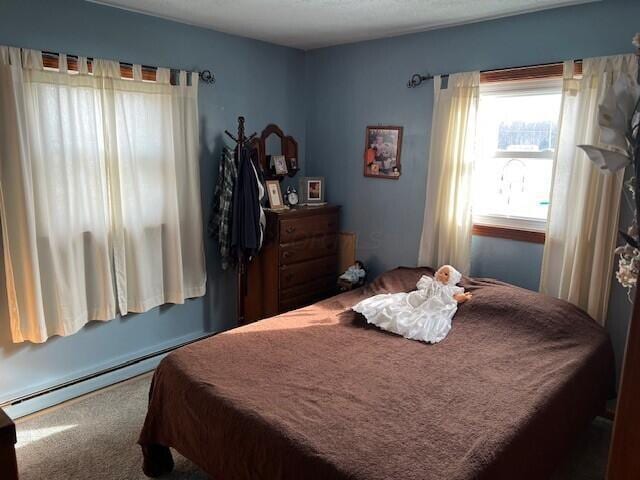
{"points": [[515, 144], [107, 217]]}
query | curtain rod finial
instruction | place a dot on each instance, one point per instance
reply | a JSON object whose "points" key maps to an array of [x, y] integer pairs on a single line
{"points": [[417, 79], [207, 77]]}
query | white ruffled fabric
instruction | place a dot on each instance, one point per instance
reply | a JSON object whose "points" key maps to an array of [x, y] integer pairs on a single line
{"points": [[424, 314]]}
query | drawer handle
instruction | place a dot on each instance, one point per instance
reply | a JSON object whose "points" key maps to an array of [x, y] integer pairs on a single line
{"points": [[288, 276], [290, 229], [286, 254]]}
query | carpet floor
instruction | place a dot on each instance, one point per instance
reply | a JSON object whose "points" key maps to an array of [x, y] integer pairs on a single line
{"points": [[94, 438]]}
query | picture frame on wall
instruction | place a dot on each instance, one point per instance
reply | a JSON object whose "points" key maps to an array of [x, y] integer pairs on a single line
{"points": [[276, 202], [312, 190], [383, 146]]}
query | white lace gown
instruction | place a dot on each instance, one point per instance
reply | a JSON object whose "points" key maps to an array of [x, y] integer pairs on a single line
{"points": [[424, 314]]}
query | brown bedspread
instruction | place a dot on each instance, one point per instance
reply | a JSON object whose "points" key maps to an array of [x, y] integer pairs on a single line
{"points": [[318, 394]]}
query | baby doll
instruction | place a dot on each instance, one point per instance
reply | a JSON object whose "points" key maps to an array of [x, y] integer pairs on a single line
{"points": [[443, 275], [354, 273], [424, 314]]}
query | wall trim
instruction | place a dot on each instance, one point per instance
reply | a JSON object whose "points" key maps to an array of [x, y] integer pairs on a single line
{"points": [[54, 395]]}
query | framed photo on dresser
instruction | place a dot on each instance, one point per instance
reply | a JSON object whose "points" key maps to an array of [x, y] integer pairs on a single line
{"points": [[383, 145], [276, 202], [312, 190]]}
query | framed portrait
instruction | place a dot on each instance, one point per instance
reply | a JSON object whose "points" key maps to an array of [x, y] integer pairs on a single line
{"points": [[274, 193], [279, 164], [383, 145], [312, 190]]}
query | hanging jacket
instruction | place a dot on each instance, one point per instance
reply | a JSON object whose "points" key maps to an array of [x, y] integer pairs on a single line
{"points": [[246, 236], [220, 220]]}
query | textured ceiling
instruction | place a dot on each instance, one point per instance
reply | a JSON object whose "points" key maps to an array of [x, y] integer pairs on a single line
{"points": [[308, 24]]}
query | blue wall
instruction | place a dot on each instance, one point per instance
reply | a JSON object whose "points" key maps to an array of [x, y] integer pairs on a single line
{"points": [[255, 79], [352, 86], [507, 260]]}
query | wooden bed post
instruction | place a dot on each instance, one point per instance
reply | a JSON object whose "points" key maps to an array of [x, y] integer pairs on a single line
{"points": [[624, 456]]}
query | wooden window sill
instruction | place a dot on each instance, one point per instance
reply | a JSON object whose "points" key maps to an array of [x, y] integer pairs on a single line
{"points": [[508, 233]]}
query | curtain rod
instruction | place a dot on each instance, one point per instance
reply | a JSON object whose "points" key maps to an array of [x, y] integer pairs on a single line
{"points": [[417, 79], [205, 76]]}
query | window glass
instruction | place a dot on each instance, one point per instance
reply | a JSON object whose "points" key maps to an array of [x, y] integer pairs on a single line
{"points": [[516, 137]]}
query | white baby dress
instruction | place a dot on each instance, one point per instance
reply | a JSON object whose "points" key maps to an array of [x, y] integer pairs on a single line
{"points": [[424, 314]]}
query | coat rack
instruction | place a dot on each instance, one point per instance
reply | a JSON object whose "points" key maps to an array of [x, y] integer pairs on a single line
{"points": [[241, 141]]}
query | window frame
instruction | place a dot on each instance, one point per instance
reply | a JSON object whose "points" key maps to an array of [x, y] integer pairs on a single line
{"points": [[51, 60], [522, 81]]}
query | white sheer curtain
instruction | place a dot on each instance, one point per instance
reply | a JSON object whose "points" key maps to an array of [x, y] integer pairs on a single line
{"points": [[447, 225], [585, 203], [155, 190], [99, 193]]}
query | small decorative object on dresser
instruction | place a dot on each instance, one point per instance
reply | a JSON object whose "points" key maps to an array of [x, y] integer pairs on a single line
{"points": [[278, 153], [298, 264], [292, 196], [8, 464], [312, 190], [382, 152], [275, 195]]}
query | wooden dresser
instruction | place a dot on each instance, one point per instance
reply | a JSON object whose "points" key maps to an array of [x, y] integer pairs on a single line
{"points": [[8, 465], [298, 264]]}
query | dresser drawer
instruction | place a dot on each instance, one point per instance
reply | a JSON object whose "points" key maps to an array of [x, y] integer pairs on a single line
{"points": [[308, 249], [304, 272], [297, 228]]}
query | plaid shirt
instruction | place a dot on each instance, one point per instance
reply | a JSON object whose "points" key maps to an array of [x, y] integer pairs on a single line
{"points": [[222, 209]]}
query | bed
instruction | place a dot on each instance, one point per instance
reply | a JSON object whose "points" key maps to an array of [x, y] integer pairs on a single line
{"points": [[318, 394]]}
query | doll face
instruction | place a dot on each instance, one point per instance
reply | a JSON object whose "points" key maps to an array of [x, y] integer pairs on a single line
{"points": [[443, 274]]}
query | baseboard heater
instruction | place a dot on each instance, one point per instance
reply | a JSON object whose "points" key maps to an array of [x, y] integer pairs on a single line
{"points": [[84, 378]]}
